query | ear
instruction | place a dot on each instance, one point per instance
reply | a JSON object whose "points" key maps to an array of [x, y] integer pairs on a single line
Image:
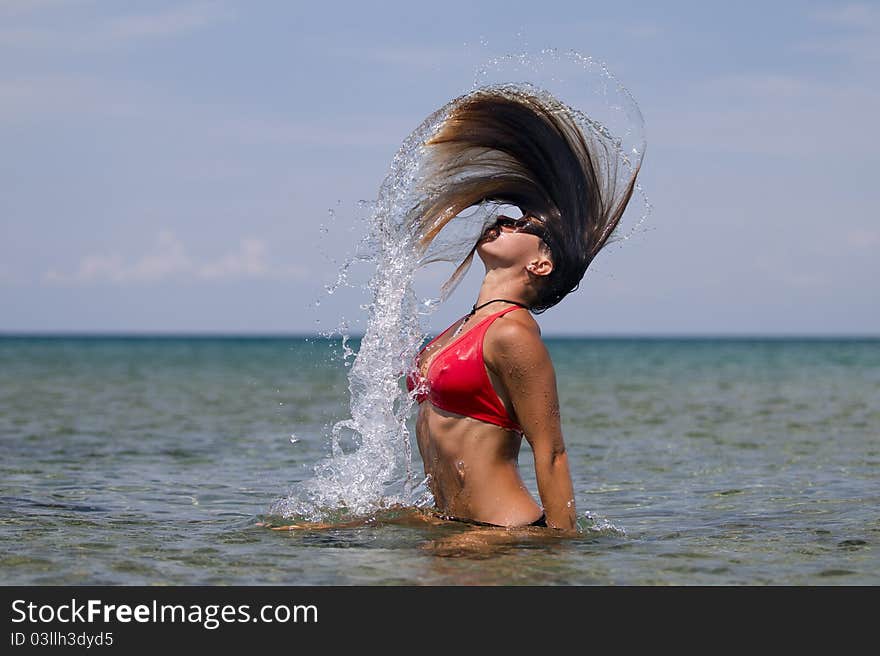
{"points": [[540, 266]]}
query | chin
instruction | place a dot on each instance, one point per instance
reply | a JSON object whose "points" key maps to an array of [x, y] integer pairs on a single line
{"points": [[487, 238], [486, 245], [493, 252]]}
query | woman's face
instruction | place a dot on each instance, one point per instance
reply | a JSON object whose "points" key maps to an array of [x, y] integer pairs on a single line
{"points": [[511, 242]]}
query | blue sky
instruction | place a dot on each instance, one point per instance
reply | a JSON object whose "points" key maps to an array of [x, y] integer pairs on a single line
{"points": [[170, 167]]}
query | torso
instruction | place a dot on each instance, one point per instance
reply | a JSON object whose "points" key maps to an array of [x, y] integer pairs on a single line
{"points": [[472, 463]]}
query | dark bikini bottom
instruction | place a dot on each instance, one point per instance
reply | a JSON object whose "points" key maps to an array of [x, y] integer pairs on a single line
{"points": [[541, 521]]}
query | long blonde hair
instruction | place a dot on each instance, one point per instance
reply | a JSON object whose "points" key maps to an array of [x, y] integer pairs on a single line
{"points": [[520, 146]]}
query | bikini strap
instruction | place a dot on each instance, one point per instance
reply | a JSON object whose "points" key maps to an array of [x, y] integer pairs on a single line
{"points": [[505, 311], [484, 323]]}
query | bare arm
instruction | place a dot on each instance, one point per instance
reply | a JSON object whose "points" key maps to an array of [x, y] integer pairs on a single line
{"points": [[516, 354]]}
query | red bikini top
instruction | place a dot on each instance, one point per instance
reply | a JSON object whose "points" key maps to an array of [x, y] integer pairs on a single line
{"points": [[457, 380]]}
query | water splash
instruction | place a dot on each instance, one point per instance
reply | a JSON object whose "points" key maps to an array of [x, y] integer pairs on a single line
{"points": [[591, 524], [369, 467], [370, 463]]}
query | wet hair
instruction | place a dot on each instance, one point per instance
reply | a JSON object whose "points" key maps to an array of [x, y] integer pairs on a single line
{"points": [[520, 146]]}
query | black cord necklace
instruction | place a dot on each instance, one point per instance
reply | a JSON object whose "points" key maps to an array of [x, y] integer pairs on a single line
{"points": [[480, 307]]}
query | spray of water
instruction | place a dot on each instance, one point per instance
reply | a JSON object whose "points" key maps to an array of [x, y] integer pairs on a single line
{"points": [[377, 471]]}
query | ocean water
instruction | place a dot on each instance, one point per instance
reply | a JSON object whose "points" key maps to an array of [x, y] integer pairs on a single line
{"points": [[695, 462]]}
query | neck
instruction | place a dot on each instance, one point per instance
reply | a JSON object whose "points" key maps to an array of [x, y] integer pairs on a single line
{"points": [[496, 287]]}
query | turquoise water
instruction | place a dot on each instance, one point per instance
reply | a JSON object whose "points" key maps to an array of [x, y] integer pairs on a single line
{"points": [[711, 462]]}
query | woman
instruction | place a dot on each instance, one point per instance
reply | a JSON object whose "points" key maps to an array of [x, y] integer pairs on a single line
{"points": [[488, 381]]}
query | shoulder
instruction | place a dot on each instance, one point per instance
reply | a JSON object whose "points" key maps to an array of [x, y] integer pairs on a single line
{"points": [[514, 327], [515, 335]]}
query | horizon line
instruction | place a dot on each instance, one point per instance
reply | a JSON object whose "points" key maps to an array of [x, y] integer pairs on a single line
{"points": [[124, 334]]}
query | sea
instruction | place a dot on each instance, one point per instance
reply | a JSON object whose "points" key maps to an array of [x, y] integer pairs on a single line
{"points": [[156, 460]]}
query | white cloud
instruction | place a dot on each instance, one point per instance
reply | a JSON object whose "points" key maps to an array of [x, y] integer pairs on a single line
{"points": [[773, 115], [28, 97], [859, 16], [175, 21], [17, 7], [113, 32], [248, 262], [863, 240], [643, 31], [762, 85], [858, 35], [405, 56], [169, 260], [363, 130], [40, 97]]}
